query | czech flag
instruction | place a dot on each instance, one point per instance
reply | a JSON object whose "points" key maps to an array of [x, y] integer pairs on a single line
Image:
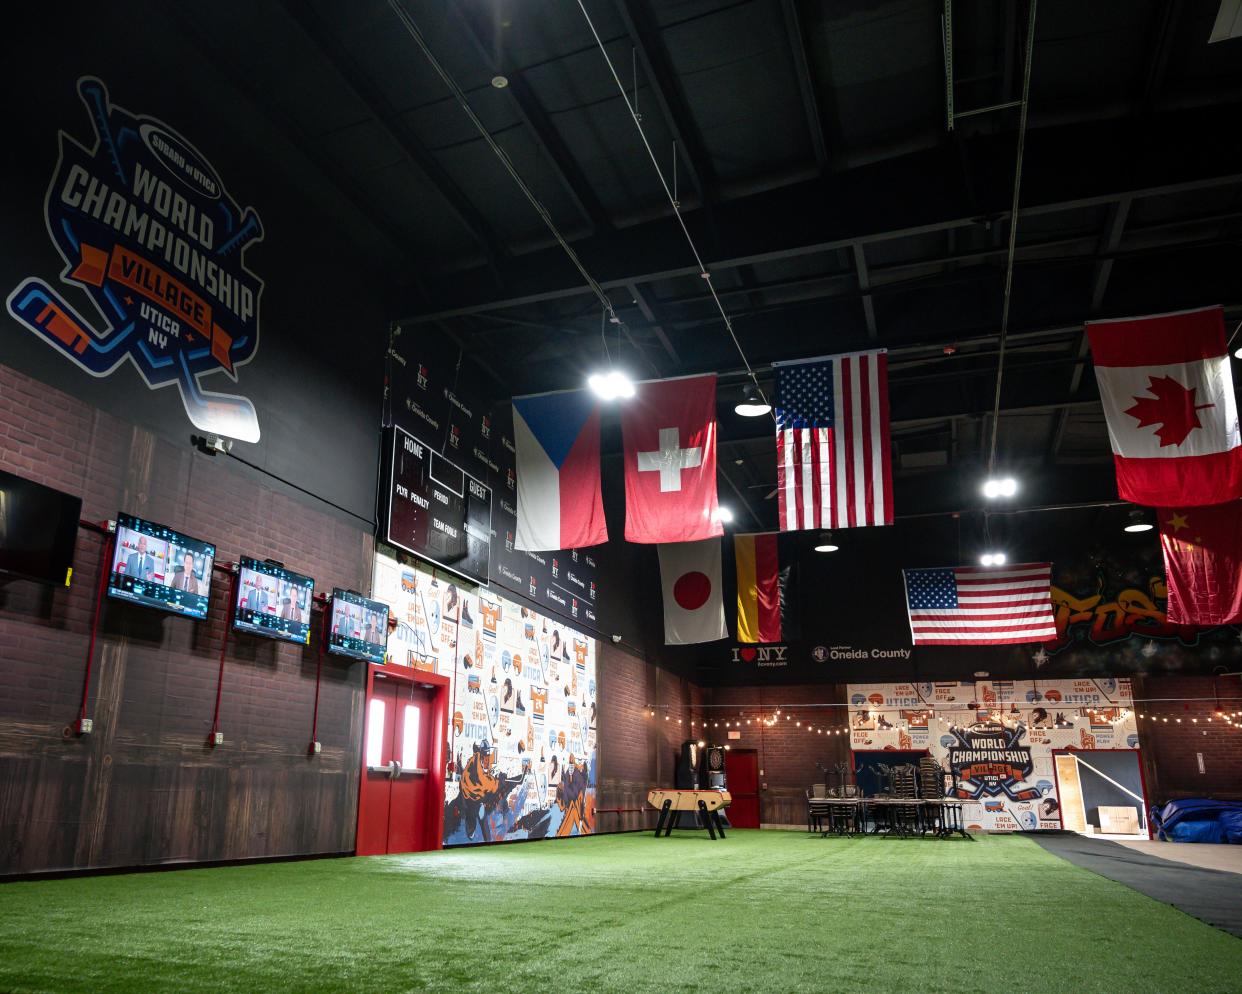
{"points": [[766, 597], [559, 502]]}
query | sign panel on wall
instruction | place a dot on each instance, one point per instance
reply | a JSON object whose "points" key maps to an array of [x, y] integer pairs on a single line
{"points": [[996, 738], [522, 735], [151, 238], [432, 399]]}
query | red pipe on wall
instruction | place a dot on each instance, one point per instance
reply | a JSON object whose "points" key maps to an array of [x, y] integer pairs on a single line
{"points": [[105, 568]]}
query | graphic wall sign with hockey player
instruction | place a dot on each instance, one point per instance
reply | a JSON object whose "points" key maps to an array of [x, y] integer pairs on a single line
{"points": [[152, 240], [995, 738], [522, 724]]}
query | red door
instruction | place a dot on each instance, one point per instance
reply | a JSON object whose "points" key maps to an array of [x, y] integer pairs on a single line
{"points": [[393, 812], [742, 778]]}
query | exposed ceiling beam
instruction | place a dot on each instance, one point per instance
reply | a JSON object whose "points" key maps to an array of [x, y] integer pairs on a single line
{"points": [[487, 43], [377, 104], [644, 306], [806, 84], [864, 289], [644, 35]]}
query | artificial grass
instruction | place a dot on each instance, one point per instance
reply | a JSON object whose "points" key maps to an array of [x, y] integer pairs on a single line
{"points": [[770, 911]]}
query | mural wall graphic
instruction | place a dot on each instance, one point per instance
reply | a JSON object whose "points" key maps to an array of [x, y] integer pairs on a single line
{"points": [[996, 737], [522, 730]]}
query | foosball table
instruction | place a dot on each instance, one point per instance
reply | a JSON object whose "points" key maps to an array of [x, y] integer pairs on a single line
{"points": [[707, 804]]}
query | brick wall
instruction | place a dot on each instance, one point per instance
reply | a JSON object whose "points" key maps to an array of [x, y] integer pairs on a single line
{"points": [[1171, 747], [787, 751], [144, 787]]}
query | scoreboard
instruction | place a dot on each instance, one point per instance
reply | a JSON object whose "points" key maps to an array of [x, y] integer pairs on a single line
{"points": [[437, 510]]}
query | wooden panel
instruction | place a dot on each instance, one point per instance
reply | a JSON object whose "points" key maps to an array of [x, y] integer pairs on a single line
{"points": [[1073, 814]]}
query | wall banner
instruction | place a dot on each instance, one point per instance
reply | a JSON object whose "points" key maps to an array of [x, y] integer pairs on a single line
{"points": [[151, 238], [522, 719], [996, 738]]}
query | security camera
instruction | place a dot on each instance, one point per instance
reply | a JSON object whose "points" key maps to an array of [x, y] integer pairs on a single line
{"points": [[616, 639]]}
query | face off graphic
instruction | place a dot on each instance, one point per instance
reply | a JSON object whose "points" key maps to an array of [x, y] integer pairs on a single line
{"points": [[146, 229], [988, 761]]}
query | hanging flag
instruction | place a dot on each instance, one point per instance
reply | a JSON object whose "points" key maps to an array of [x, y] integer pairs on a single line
{"points": [[1203, 563], [766, 587], [980, 605], [1167, 391], [669, 428], [832, 454], [556, 441], [690, 580]]}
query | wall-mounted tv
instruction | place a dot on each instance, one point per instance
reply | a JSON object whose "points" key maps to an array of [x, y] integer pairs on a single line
{"points": [[359, 626], [158, 567], [272, 601], [38, 527]]}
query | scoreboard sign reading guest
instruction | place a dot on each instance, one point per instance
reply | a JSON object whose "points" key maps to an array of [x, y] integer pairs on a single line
{"points": [[151, 238]]}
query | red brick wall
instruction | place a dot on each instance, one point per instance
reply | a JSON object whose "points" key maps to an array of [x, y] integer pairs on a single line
{"points": [[788, 753], [1171, 748], [144, 788]]}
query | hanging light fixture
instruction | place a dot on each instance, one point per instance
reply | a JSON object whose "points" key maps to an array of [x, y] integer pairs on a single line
{"points": [[992, 559], [1000, 486], [752, 405], [612, 385], [724, 514], [1139, 522], [825, 543]]}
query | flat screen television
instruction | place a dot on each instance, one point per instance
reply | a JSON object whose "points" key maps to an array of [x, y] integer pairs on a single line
{"points": [[38, 528], [157, 567], [359, 626], [272, 601]]}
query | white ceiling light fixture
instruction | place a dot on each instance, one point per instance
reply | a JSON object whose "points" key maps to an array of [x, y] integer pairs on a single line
{"points": [[826, 543], [752, 405], [724, 514], [1138, 522], [992, 559], [612, 385], [500, 82], [1000, 486]]}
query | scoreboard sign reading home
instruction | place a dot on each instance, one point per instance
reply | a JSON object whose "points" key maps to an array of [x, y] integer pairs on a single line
{"points": [[437, 510]]}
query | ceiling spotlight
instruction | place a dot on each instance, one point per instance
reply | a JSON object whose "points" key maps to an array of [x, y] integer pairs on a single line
{"points": [[752, 404], [724, 514], [611, 385], [500, 82], [1139, 522], [1005, 486], [992, 559], [825, 543]]}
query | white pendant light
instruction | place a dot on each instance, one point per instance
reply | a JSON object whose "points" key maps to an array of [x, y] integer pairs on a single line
{"points": [[752, 405]]}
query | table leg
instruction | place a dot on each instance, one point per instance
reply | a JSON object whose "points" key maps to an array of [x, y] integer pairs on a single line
{"points": [[707, 820], [663, 814]]}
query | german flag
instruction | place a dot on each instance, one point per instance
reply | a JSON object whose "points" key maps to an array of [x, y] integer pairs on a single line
{"points": [[765, 587]]}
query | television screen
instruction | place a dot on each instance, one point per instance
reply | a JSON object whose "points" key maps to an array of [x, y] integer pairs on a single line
{"points": [[272, 601], [359, 626], [158, 567], [38, 527]]}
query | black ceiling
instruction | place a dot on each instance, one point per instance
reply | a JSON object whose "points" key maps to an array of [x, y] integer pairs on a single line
{"points": [[832, 204]]}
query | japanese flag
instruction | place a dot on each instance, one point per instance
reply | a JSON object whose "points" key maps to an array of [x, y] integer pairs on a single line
{"points": [[690, 579], [1167, 392]]}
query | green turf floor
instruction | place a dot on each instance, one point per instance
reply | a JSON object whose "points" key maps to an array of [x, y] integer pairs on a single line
{"points": [[770, 911]]}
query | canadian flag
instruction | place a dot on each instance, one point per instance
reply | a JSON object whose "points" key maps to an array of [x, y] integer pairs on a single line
{"points": [[693, 604], [1167, 391], [669, 428]]}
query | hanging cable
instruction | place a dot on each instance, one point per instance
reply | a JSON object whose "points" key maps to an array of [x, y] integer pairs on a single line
{"points": [[416, 33], [1013, 231], [672, 199]]}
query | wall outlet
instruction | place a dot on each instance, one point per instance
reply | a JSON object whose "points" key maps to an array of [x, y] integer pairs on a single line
{"points": [[316, 748], [86, 726], [217, 738]]}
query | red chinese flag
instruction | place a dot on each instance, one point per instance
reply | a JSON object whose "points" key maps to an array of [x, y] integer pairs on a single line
{"points": [[669, 428], [1203, 563], [1167, 392]]}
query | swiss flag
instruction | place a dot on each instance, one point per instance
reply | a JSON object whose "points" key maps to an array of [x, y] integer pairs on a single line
{"points": [[693, 604], [1167, 391], [1202, 562], [669, 428]]}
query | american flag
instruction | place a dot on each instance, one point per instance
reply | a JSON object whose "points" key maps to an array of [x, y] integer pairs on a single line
{"points": [[979, 605], [832, 463]]}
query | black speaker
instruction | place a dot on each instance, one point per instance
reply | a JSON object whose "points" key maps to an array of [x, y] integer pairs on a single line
{"points": [[687, 777]]}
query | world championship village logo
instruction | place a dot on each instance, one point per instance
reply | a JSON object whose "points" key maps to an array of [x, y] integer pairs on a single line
{"points": [[987, 761], [148, 232]]}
